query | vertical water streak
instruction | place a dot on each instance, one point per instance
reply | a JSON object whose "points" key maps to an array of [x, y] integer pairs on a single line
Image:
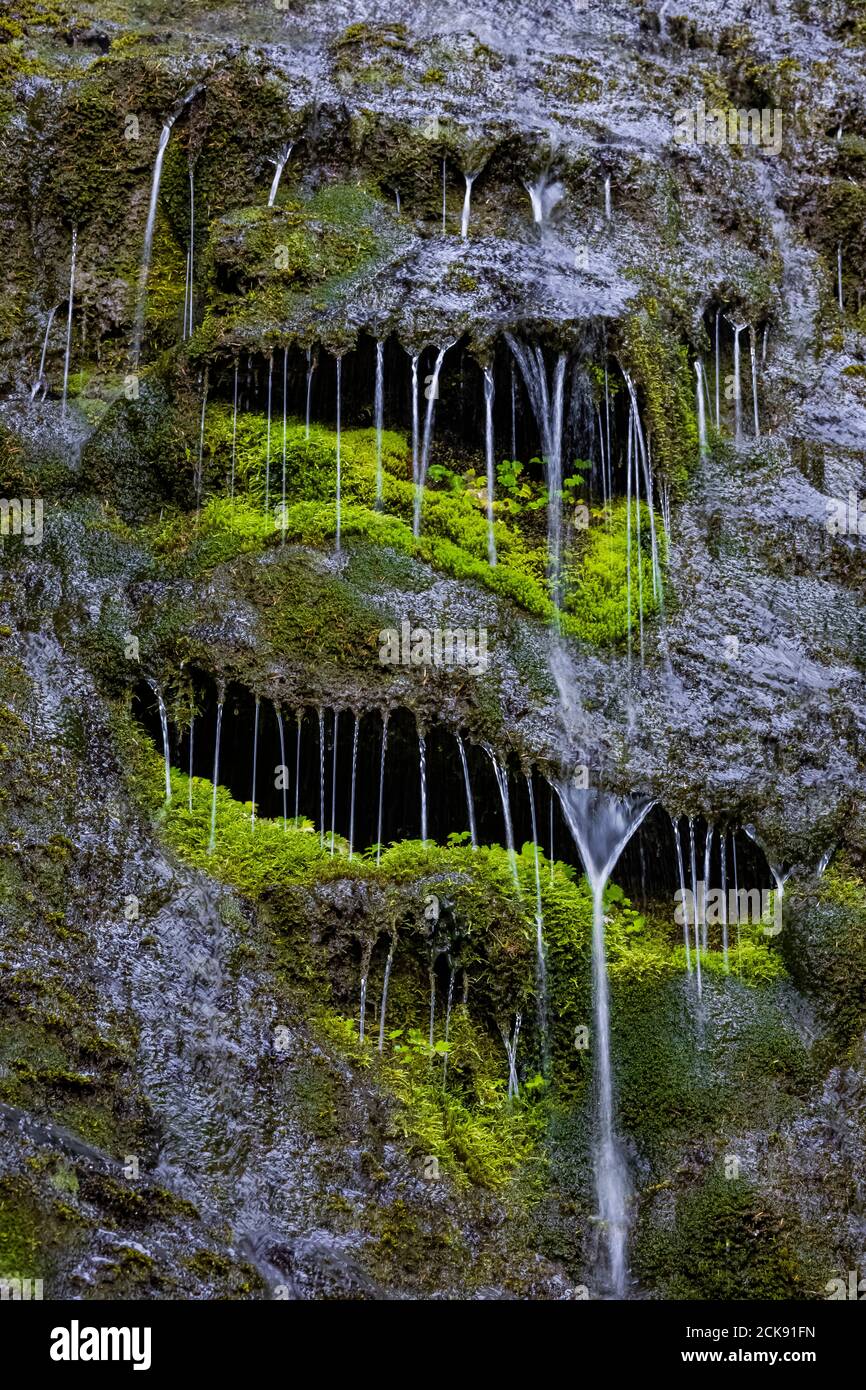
{"points": [[382, 1006], [723, 851], [470, 804], [443, 194], [501, 775], [147, 250], [511, 1053], [702, 419], [283, 765], [736, 897], [311, 367], [432, 1003], [448, 1004], [432, 397], [381, 785], [190, 261], [467, 198], [283, 517], [355, 733], [163, 724], [708, 849], [639, 552], [268, 443], [540, 953], [839, 277], [41, 376], [695, 901], [255, 764], [279, 165], [334, 780], [322, 777], [234, 434], [513, 413], [68, 352], [489, 460], [628, 619], [415, 423], [199, 472], [547, 406], [607, 208], [378, 415], [422, 768], [211, 844], [738, 402], [683, 899], [299, 716], [753, 355], [339, 461], [718, 379], [191, 749]]}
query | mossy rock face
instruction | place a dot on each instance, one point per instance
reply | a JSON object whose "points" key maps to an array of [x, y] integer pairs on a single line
{"points": [[139, 457], [824, 945]]}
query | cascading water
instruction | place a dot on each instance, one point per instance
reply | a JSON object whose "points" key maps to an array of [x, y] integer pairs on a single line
{"points": [[378, 417], [415, 424], [68, 352], [718, 378], [279, 165], [489, 460], [540, 954], [211, 844], [738, 400], [547, 407], [511, 1053], [544, 197], [322, 777], [432, 397], [199, 472], [607, 208], [602, 826], [470, 804], [191, 751], [708, 850], [299, 719]]}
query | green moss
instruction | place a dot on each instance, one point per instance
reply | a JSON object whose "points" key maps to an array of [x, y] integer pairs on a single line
{"points": [[660, 367]]}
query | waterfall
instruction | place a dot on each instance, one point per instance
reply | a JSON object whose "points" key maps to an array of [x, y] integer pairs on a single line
{"points": [[470, 804], [839, 277], [268, 437], [695, 900], [540, 956], [422, 767], [378, 415], [718, 415], [211, 844], [334, 781], [738, 404], [511, 1053], [381, 785], [299, 716], [339, 464], [163, 724], [355, 733], [190, 262], [282, 733], [311, 367], [388, 963], [414, 387], [199, 474], [432, 397], [147, 250], [708, 849], [467, 199], [191, 747], [283, 482], [41, 377], [607, 211], [676, 825], [489, 456], [754, 379], [234, 434], [68, 352], [255, 764], [602, 826], [279, 165], [547, 407], [322, 777], [502, 782], [702, 419]]}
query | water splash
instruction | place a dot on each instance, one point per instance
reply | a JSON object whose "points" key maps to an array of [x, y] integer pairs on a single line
{"points": [[544, 195], [602, 826], [68, 352]]}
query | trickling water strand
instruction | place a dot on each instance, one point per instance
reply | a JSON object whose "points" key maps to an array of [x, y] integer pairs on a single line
{"points": [[279, 165], [489, 457], [718, 393], [322, 777], [448, 1004], [764, 344], [513, 413], [693, 864], [607, 210], [551, 835], [381, 785], [378, 414], [702, 419], [339, 467], [41, 376], [738, 404], [736, 897], [191, 748], [607, 430], [268, 443], [753, 355], [602, 826], [148, 239], [683, 900], [547, 406], [639, 554], [334, 781], [234, 434], [352, 795], [470, 804], [432, 1004], [365, 972], [642, 456], [467, 198], [540, 955], [163, 724], [422, 767], [432, 397], [502, 782], [190, 261], [723, 851], [443, 194], [628, 617], [311, 367], [255, 763], [708, 849], [199, 473], [283, 517], [279, 713], [387, 976], [298, 721], [511, 1053], [68, 352], [211, 845], [414, 380], [839, 277]]}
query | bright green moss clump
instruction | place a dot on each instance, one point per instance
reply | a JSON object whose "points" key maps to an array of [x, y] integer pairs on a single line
{"points": [[659, 364]]}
